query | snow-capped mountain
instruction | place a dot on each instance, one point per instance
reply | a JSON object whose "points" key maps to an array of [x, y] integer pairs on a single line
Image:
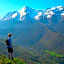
{"points": [[49, 16], [48, 25]]}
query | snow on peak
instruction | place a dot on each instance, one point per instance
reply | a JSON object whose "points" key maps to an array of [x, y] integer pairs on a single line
{"points": [[62, 14], [14, 15], [22, 13], [39, 14], [48, 10], [48, 16], [27, 12], [36, 17], [53, 8], [59, 6], [60, 9], [46, 13], [51, 12], [27, 7]]}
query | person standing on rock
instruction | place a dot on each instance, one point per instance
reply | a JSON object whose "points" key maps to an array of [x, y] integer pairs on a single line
{"points": [[9, 46]]}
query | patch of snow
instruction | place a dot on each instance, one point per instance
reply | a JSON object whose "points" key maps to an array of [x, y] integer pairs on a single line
{"points": [[48, 16], [59, 6], [14, 15], [53, 8], [51, 12], [62, 14]]}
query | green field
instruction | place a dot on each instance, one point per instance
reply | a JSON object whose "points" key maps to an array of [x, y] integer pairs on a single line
{"points": [[54, 53]]}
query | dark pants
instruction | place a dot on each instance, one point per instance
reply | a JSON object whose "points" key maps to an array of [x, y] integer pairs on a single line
{"points": [[10, 50], [10, 53]]}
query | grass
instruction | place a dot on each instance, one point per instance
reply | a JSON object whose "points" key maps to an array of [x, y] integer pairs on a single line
{"points": [[54, 53], [5, 60]]}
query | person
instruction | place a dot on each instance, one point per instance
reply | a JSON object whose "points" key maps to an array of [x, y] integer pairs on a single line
{"points": [[10, 47]]}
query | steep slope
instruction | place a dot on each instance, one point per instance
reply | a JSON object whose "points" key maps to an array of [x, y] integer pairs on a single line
{"points": [[51, 41], [59, 27]]}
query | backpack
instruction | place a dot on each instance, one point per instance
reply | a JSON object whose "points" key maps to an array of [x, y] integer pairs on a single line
{"points": [[7, 42]]}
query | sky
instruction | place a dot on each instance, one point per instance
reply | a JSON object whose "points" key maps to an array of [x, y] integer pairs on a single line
{"points": [[15, 5]]}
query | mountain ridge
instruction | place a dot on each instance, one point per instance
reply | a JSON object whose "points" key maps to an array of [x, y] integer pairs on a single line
{"points": [[49, 16]]}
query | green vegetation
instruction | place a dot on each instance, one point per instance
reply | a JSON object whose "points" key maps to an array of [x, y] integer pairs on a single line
{"points": [[5, 60], [54, 53]]}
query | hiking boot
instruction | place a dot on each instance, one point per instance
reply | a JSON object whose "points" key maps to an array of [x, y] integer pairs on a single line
{"points": [[9, 58], [12, 58]]}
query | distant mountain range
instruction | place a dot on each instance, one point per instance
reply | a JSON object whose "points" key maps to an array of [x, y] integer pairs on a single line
{"points": [[49, 16]]}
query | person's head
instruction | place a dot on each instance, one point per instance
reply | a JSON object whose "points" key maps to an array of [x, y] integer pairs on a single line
{"points": [[9, 34]]}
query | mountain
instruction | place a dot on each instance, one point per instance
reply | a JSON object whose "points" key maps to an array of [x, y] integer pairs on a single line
{"points": [[29, 25], [50, 16], [22, 15]]}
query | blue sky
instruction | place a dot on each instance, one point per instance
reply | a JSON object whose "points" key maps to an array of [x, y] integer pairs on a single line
{"points": [[13, 5]]}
